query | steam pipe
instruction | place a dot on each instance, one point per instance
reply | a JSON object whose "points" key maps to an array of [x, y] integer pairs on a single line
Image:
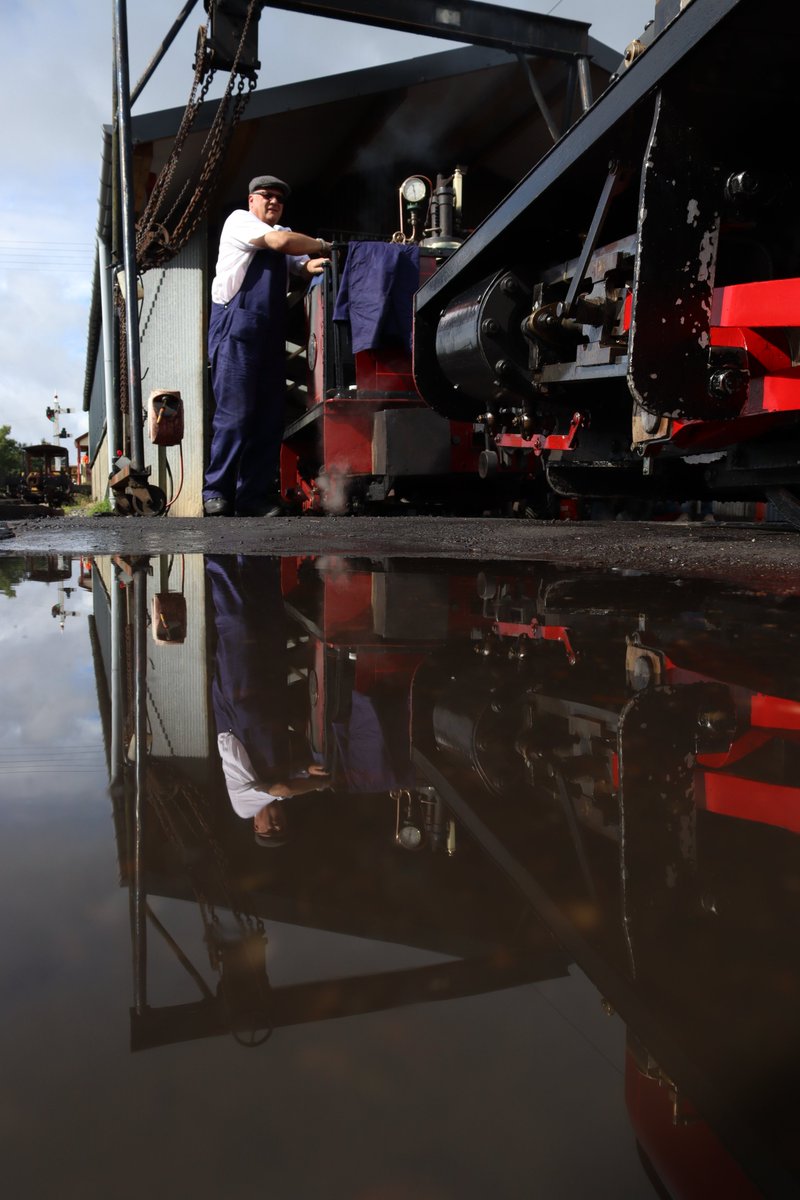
{"points": [[585, 82], [538, 96]]}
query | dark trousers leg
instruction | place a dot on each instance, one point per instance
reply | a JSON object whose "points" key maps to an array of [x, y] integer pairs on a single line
{"points": [[247, 425]]}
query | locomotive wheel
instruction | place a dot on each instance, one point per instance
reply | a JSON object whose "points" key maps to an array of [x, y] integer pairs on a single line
{"points": [[787, 502]]}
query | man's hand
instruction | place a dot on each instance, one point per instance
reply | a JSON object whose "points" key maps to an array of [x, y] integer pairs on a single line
{"points": [[315, 266]]}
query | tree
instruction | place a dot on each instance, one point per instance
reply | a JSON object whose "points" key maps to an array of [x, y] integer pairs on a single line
{"points": [[10, 454], [12, 572]]}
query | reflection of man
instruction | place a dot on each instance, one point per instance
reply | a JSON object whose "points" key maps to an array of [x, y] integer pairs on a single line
{"points": [[262, 799], [264, 759], [247, 349]]}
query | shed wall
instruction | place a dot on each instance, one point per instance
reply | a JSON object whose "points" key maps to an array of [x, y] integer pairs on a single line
{"points": [[173, 358]]}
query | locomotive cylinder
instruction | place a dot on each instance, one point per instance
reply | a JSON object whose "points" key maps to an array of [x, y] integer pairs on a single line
{"points": [[479, 344]]}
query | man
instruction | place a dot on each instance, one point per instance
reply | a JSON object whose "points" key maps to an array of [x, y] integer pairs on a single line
{"points": [[246, 348], [265, 759]]}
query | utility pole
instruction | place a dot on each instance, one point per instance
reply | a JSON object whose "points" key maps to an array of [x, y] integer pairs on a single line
{"points": [[129, 482]]}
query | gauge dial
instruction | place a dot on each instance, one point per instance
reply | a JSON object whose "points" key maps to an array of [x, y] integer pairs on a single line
{"points": [[414, 190], [410, 837]]}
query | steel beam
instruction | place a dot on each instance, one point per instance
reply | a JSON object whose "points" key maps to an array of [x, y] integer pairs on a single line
{"points": [[458, 21], [476, 256], [125, 148]]}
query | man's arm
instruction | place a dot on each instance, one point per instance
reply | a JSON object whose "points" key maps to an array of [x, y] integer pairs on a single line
{"points": [[286, 241]]}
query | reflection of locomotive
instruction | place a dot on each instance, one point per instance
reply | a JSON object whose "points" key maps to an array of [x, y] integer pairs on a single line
{"points": [[628, 752], [624, 323], [631, 754]]}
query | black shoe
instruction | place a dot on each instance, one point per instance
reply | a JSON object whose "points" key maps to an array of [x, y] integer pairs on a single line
{"points": [[217, 506]]}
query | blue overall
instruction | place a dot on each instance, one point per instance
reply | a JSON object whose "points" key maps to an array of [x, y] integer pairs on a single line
{"points": [[247, 352], [250, 686], [250, 690]]}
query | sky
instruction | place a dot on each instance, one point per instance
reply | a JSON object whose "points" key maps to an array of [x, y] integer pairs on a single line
{"points": [[57, 64]]}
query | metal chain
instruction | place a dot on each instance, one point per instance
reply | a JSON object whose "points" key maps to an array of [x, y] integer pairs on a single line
{"points": [[148, 227], [152, 307], [197, 804], [123, 354], [161, 795], [196, 208], [160, 720], [155, 244]]}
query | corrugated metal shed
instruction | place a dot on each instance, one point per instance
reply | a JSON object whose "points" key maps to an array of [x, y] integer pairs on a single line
{"points": [[172, 339]]}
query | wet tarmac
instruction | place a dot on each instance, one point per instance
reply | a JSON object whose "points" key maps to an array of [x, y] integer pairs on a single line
{"points": [[756, 554], [381, 878]]}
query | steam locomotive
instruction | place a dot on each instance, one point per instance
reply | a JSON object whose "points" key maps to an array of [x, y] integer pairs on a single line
{"points": [[626, 323]]}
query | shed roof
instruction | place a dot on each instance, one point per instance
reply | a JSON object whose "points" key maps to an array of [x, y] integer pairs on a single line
{"points": [[471, 107]]}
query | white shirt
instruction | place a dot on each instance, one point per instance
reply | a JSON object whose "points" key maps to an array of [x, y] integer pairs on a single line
{"points": [[247, 795], [236, 253]]}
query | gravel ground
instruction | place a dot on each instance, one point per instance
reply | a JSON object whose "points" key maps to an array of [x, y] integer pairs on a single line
{"points": [[756, 556]]}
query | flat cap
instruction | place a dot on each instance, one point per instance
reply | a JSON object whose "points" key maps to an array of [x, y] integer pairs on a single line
{"points": [[268, 181]]}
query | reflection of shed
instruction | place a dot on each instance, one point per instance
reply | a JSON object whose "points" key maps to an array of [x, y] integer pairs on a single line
{"points": [[360, 925], [47, 568], [345, 143]]}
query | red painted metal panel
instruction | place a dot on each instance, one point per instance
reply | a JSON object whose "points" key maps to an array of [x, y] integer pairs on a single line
{"points": [[347, 439], [463, 454], [685, 1153], [767, 350], [384, 371], [748, 799], [374, 667], [774, 393], [770, 303], [774, 712], [347, 605]]}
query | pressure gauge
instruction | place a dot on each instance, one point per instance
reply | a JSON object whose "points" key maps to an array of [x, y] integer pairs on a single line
{"points": [[410, 837], [413, 190]]}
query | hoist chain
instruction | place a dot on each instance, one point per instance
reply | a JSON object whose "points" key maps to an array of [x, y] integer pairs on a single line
{"points": [[167, 801], [156, 244], [148, 229], [123, 353]]}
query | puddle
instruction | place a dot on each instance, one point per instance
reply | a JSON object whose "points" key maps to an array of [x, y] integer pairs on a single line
{"points": [[516, 913]]}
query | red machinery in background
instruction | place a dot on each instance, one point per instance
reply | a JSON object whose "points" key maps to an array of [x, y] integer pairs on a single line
{"points": [[364, 432]]}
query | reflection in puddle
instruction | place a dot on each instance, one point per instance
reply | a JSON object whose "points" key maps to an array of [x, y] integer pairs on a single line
{"points": [[434, 803]]}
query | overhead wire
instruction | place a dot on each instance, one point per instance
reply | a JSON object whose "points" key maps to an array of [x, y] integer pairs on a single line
{"points": [[21, 254]]}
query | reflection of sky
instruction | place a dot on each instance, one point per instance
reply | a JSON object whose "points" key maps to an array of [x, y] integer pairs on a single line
{"points": [[50, 739], [474, 1097]]}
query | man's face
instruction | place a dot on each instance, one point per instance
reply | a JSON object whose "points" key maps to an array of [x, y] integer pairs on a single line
{"points": [[271, 820], [267, 205]]}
